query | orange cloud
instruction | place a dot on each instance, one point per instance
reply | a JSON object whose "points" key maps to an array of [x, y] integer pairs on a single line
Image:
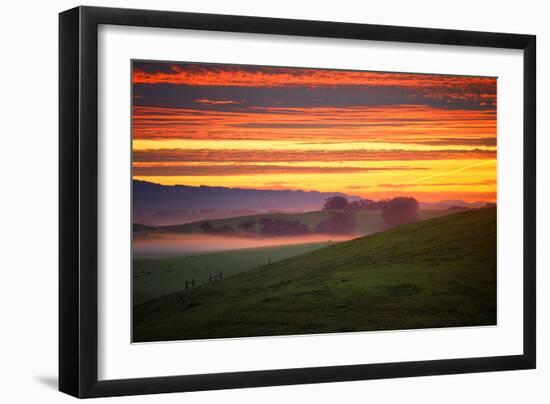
{"points": [[244, 76], [438, 184], [217, 102], [141, 169], [269, 155], [398, 124]]}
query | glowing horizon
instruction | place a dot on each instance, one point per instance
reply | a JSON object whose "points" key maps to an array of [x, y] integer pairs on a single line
{"points": [[369, 134]]}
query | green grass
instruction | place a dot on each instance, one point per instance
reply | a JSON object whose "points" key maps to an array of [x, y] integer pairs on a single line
{"points": [[154, 277], [436, 273], [368, 222]]}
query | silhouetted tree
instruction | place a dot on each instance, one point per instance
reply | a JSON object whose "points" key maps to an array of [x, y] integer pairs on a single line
{"points": [[335, 203], [206, 227], [278, 228], [365, 204], [247, 226], [225, 230], [399, 210], [337, 223], [265, 222]]}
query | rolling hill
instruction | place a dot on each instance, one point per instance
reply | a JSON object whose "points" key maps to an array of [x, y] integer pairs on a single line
{"points": [[368, 221], [156, 205], [436, 273]]}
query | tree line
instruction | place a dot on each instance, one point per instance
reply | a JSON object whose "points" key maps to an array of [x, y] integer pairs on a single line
{"points": [[336, 223], [341, 203], [395, 211], [341, 219]]}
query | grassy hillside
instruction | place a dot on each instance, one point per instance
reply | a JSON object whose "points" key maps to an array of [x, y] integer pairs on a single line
{"points": [[141, 228], [368, 222], [154, 277], [436, 273]]}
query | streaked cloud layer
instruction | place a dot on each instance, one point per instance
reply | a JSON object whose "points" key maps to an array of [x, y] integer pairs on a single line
{"points": [[297, 155], [380, 134]]}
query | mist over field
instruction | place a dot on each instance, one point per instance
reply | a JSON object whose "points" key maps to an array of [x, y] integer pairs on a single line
{"points": [[165, 244]]}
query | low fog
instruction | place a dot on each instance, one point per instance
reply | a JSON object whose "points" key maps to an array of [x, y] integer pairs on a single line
{"points": [[169, 244]]}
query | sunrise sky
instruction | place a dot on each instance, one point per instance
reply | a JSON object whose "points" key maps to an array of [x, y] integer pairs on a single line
{"points": [[370, 134]]}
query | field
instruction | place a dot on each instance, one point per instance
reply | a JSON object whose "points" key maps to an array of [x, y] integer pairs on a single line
{"points": [[156, 277], [435, 273]]}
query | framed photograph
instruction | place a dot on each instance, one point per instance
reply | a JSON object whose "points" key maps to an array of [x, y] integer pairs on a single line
{"points": [[251, 201]]}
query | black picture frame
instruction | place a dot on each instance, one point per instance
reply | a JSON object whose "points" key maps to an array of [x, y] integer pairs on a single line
{"points": [[78, 201]]}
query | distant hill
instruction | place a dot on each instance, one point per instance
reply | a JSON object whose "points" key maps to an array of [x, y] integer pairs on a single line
{"points": [[368, 221], [452, 202], [137, 227], [435, 273], [156, 205]]}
